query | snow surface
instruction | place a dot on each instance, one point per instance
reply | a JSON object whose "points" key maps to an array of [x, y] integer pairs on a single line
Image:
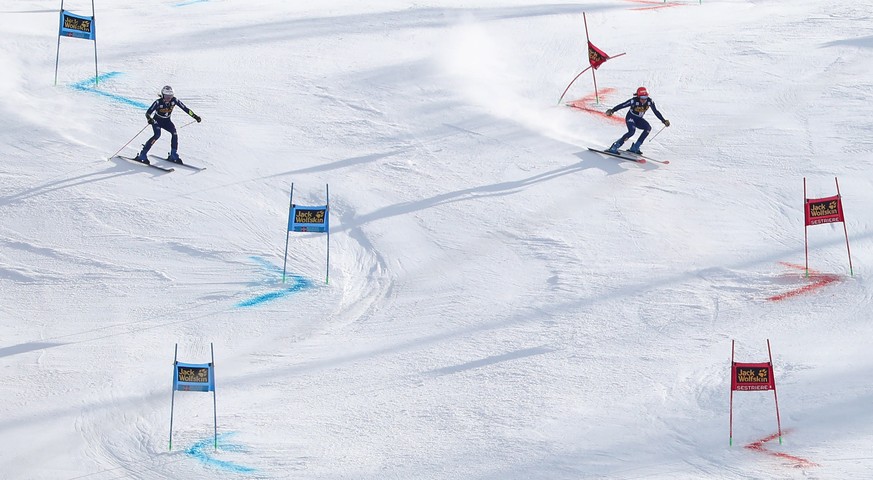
{"points": [[502, 302]]}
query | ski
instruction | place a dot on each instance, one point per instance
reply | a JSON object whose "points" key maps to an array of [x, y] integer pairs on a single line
{"points": [[636, 159], [190, 167], [146, 164], [628, 155], [662, 162]]}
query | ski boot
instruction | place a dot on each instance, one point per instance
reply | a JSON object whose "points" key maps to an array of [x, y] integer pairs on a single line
{"points": [[614, 148], [635, 148], [174, 157], [141, 157]]}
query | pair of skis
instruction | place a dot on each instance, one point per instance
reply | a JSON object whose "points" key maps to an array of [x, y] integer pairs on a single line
{"points": [[162, 168], [629, 156]]}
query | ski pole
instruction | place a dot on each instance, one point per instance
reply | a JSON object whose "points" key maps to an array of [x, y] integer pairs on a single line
{"points": [[189, 123], [128, 142], [659, 131]]}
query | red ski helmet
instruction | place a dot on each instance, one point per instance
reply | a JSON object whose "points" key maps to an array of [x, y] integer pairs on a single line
{"points": [[642, 92]]}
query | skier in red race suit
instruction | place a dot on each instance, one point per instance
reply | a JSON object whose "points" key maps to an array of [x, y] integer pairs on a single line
{"points": [[639, 104]]}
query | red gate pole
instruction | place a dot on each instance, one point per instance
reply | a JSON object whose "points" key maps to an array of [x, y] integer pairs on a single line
{"points": [[773, 373], [845, 230], [805, 228], [571, 83], [588, 42], [731, 416], [596, 95]]}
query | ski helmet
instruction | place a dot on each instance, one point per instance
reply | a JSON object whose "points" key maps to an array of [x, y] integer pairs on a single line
{"points": [[167, 91], [642, 92]]}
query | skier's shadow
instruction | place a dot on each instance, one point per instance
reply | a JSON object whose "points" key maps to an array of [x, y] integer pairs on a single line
{"points": [[61, 184], [130, 166], [611, 165], [500, 189]]}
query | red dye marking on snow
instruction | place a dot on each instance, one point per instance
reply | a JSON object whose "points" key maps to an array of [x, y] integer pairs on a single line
{"points": [[797, 267], [654, 6], [819, 280], [584, 105], [805, 289], [798, 462], [665, 5]]}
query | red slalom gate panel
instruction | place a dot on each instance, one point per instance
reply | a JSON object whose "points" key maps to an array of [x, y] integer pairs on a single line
{"points": [[752, 377]]}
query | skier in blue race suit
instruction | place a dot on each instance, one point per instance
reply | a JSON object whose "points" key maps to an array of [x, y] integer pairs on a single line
{"points": [[162, 108], [639, 104]]}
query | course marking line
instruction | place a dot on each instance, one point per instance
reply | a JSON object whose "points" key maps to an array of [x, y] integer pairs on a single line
{"points": [[819, 280], [759, 447], [90, 86]]}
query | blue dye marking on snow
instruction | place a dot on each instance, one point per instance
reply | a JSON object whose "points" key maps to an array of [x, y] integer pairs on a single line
{"points": [[295, 283], [90, 87], [298, 283], [199, 451], [267, 265]]}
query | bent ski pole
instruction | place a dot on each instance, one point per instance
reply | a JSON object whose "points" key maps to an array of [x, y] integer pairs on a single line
{"points": [[128, 142], [571, 83]]}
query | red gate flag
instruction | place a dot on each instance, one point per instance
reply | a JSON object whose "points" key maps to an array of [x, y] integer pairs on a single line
{"points": [[824, 210], [752, 377], [596, 56], [819, 211]]}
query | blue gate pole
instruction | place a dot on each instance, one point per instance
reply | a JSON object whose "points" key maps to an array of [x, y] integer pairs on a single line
{"points": [[290, 208], [173, 396]]}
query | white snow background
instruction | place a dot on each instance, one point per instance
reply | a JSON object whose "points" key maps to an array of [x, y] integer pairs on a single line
{"points": [[502, 304]]}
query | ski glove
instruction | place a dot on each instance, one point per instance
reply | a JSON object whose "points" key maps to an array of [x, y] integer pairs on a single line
{"points": [[666, 123], [151, 120], [196, 117], [609, 112]]}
